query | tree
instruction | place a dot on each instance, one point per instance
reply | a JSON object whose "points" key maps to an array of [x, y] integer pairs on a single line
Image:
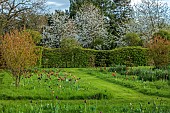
{"points": [[18, 52], [15, 13], [69, 43], [59, 27], [163, 33], [150, 16], [36, 36], [92, 32], [116, 12], [105, 6], [132, 39], [159, 50]]}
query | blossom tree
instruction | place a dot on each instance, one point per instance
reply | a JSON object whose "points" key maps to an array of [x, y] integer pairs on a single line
{"points": [[59, 26], [92, 32], [149, 17]]}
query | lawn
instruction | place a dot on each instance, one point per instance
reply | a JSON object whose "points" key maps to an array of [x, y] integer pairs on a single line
{"points": [[82, 90]]}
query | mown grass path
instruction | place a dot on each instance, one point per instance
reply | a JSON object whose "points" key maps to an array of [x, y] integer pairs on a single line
{"points": [[118, 92]]}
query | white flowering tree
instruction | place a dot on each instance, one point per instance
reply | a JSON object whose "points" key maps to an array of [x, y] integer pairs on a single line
{"points": [[149, 17], [92, 32], [59, 27]]}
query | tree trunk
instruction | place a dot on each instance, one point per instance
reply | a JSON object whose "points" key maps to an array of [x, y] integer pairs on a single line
{"points": [[17, 81]]}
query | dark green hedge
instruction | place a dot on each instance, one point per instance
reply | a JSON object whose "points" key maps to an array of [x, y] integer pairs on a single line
{"points": [[79, 57]]}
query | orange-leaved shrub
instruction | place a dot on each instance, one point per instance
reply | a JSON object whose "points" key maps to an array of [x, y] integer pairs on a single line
{"points": [[159, 50], [18, 52]]}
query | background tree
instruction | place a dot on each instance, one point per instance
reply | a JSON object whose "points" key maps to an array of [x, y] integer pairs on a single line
{"points": [[159, 50], [164, 33], [92, 32], [16, 13], [36, 36], [150, 16], [33, 21], [69, 43], [116, 12], [59, 27], [18, 52], [132, 39]]}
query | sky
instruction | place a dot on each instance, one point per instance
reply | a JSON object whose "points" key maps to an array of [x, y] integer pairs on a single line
{"points": [[64, 4], [58, 4]]}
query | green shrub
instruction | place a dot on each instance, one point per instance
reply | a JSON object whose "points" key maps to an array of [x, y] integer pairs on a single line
{"points": [[36, 36], [133, 39], [80, 57], [121, 69], [58, 58], [150, 74], [129, 56]]}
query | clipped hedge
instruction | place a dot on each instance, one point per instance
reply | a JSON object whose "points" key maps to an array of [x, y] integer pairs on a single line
{"points": [[58, 58], [80, 57]]}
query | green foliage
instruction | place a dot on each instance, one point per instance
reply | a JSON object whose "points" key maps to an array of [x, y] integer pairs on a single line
{"points": [[121, 69], [69, 43], [59, 58], [144, 74], [133, 39], [79, 57], [36, 36], [129, 56], [150, 74]]}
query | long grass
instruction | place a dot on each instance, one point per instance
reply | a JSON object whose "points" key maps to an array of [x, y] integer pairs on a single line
{"points": [[76, 90]]}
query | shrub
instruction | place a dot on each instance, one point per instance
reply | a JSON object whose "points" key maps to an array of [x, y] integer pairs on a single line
{"points": [[149, 74], [133, 39], [36, 36], [159, 51], [129, 56], [80, 57], [163, 33], [69, 43], [18, 52], [121, 69]]}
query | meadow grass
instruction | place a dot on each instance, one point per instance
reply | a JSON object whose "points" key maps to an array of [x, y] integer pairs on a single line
{"points": [[82, 90]]}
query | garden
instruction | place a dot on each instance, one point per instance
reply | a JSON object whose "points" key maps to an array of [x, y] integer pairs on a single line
{"points": [[87, 81], [100, 56]]}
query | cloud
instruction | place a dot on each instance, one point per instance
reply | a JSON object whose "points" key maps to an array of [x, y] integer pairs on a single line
{"points": [[54, 4]]}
